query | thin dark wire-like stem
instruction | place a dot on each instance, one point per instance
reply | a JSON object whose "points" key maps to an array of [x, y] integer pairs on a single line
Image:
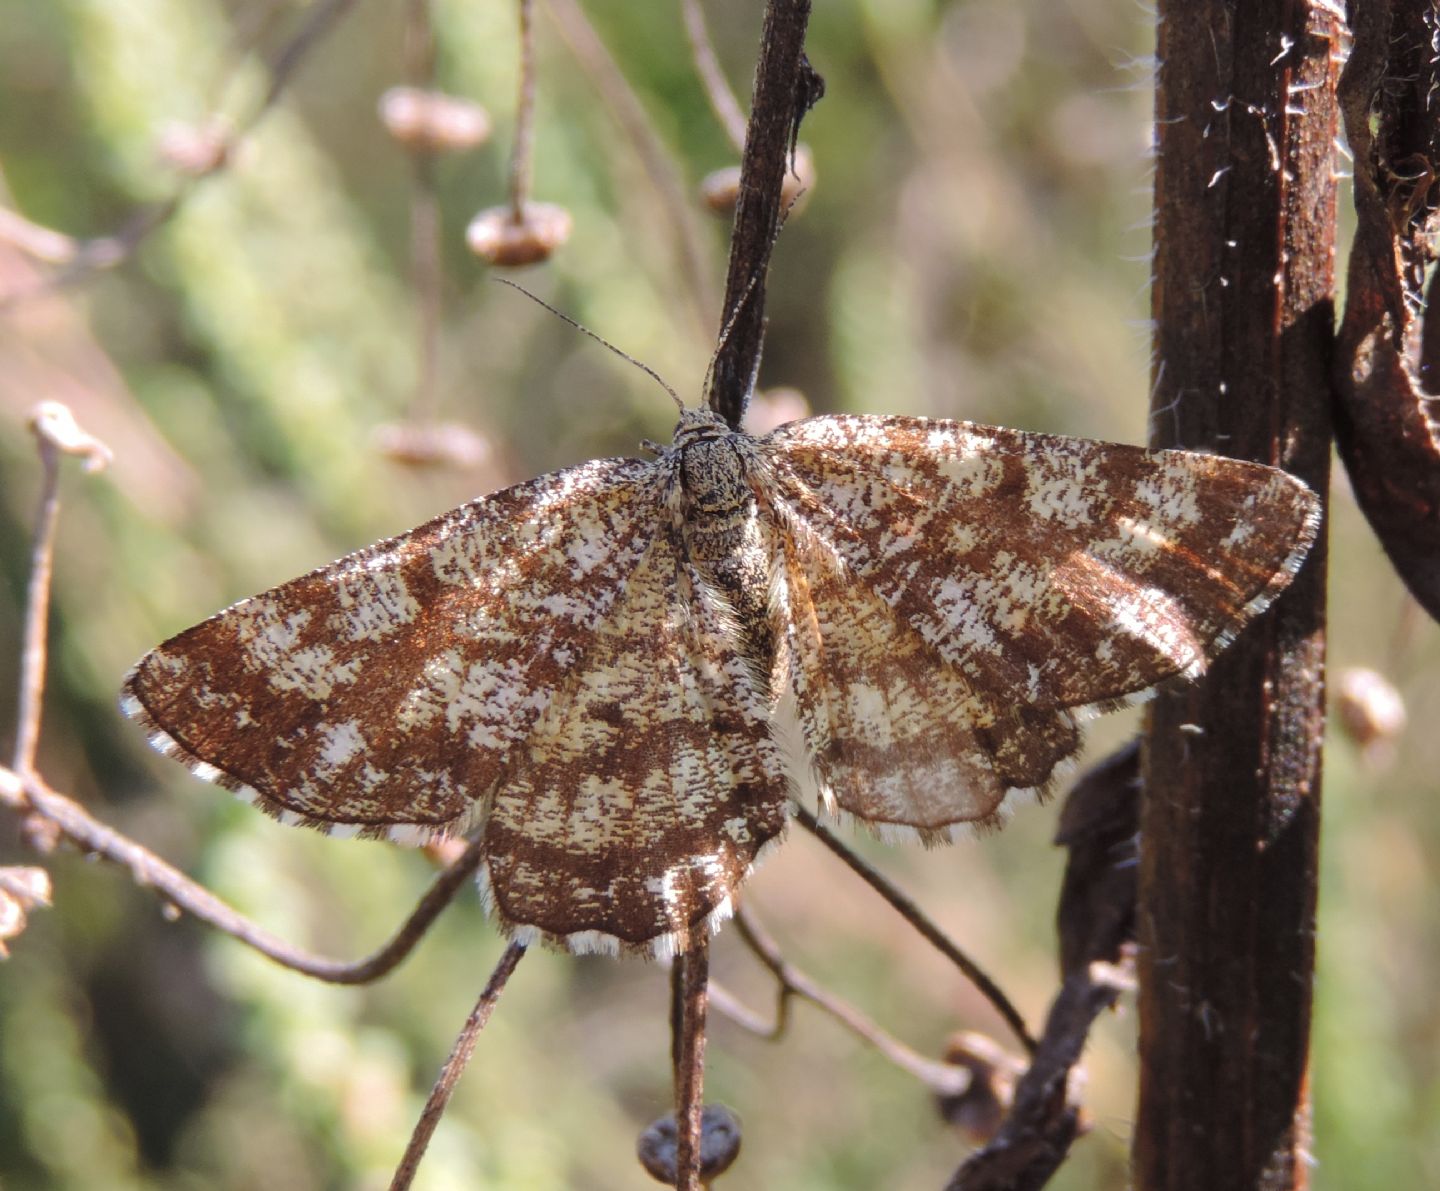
{"points": [[689, 987], [454, 1067], [319, 21], [918, 919], [522, 153], [940, 1078], [97, 839], [707, 66], [426, 280]]}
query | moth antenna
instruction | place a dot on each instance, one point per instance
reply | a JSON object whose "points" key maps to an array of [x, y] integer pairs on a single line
{"points": [[600, 339], [726, 329]]}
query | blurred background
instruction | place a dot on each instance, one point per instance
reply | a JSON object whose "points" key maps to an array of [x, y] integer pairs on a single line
{"points": [[974, 245]]}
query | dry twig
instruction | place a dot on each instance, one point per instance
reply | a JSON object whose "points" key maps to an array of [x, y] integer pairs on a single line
{"points": [[689, 980], [922, 923], [454, 1067], [80, 258]]}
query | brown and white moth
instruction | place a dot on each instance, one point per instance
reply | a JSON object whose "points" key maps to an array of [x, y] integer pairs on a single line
{"points": [[584, 669]]}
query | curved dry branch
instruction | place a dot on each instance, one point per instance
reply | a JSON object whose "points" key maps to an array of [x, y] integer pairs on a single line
{"points": [[942, 1079], [75, 824], [917, 918]]}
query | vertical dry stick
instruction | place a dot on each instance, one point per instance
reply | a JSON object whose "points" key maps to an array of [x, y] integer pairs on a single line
{"points": [[689, 980], [1244, 234], [56, 434], [522, 154], [785, 88], [425, 261], [454, 1066], [37, 610]]}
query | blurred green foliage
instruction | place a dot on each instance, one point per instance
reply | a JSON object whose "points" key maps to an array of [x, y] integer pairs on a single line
{"points": [[975, 247]]}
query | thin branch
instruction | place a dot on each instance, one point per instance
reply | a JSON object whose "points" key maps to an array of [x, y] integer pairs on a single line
{"points": [[319, 21], [82, 257], [147, 869], [56, 434], [785, 88], [729, 1005], [1045, 1118], [454, 1067], [522, 152], [674, 203], [426, 266], [940, 1078], [918, 919], [37, 609], [707, 66], [36, 240], [689, 983]]}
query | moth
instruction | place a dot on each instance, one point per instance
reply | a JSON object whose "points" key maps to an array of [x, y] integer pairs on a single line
{"points": [[585, 669]]}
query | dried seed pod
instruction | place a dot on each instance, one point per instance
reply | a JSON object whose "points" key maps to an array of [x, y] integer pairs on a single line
{"points": [[431, 444], [497, 236], [719, 1145], [720, 190], [979, 1109], [1370, 710], [433, 121]]}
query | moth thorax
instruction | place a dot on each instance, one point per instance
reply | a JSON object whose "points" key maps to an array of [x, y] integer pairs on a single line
{"points": [[724, 539], [713, 475]]}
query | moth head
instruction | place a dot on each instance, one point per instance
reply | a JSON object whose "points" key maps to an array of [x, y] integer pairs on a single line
{"points": [[698, 425]]}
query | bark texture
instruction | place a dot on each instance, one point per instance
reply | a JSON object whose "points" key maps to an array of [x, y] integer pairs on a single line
{"points": [[1246, 119]]}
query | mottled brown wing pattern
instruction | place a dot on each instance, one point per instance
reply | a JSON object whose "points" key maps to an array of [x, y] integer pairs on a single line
{"points": [[541, 665], [386, 693], [1026, 575], [897, 738], [583, 667], [652, 781]]}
